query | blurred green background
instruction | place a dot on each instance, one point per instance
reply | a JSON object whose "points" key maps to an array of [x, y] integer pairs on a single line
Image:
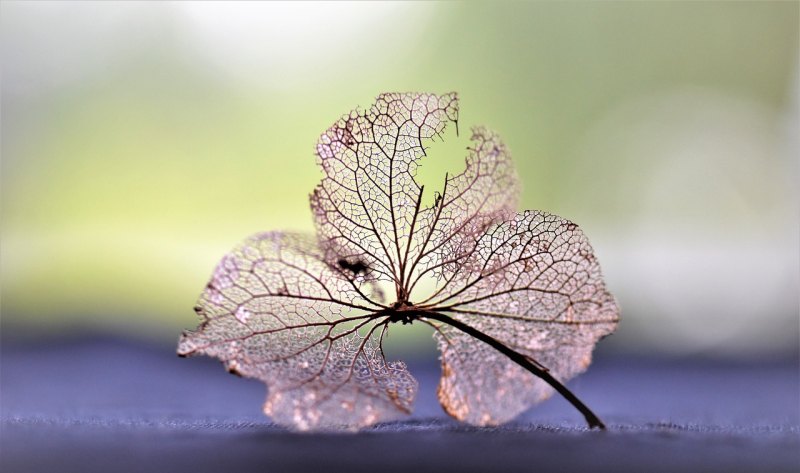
{"points": [[141, 141]]}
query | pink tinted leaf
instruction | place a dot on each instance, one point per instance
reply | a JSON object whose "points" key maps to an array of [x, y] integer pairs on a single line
{"points": [[519, 305], [275, 311], [366, 206], [533, 284], [485, 192]]}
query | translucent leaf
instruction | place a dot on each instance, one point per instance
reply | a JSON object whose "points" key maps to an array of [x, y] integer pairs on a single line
{"points": [[275, 311], [533, 284], [367, 205], [484, 193], [519, 306]]}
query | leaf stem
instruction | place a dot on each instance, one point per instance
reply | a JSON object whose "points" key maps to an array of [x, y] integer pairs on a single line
{"points": [[520, 359]]}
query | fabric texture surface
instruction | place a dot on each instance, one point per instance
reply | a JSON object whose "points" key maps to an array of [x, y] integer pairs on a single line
{"points": [[102, 404]]}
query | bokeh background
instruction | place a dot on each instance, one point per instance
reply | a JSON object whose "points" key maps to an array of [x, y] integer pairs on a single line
{"points": [[141, 141]]}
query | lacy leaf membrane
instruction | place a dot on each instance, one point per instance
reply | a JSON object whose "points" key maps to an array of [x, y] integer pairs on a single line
{"points": [[275, 311], [367, 205], [306, 315], [534, 284]]}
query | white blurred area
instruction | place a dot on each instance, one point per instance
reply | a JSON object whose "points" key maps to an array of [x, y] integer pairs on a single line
{"points": [[308, 40], [709, 261], [688, 192], [280, 45]]}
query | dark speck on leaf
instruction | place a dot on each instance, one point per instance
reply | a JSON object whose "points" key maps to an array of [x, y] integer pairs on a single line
{"points": [[356, 268]]}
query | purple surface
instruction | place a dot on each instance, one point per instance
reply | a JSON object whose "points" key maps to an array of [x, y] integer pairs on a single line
{"points": [[110, 405]]}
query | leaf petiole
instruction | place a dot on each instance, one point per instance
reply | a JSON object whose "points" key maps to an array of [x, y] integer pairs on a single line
{"points": [[522, 360]]}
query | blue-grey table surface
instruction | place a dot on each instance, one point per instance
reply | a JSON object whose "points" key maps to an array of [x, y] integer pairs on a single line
{"points": [[111, 405]]}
